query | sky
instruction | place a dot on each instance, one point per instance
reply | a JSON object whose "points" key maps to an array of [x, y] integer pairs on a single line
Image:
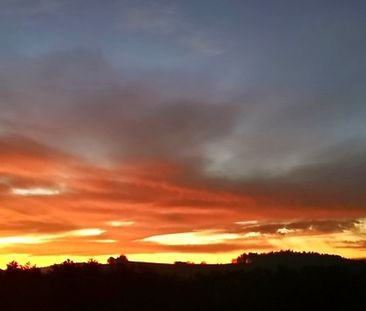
{"points": [[188, 130]]}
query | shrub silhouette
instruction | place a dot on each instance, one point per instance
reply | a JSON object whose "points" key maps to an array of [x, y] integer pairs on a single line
{"points": [[120, 260], [12, 266], [68, 263], [28, 267], [92, 262]]}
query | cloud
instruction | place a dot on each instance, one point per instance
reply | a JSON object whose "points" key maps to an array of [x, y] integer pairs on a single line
{"points": [[31, 239], [119, 223], [34, 226], [170, 22], [204, 43], [212, 248], [326, 235], [30, 7], [191, 238], [358, 244], [35, 191], [22, 156], [151, 18], [307, 226], [141, 149]]}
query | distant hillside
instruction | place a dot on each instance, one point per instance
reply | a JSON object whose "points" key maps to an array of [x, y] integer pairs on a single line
{"points": [[289, 259], [270, 260], [283, 281]]}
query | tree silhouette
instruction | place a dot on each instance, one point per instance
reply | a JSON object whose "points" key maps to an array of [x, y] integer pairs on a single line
{"points": [[12, 266], [120, 260], [27, 267], [68, 263], [92, 261], [288, 257]]}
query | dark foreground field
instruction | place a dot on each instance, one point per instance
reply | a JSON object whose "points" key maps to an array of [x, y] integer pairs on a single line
{"points": [[263, 283]]}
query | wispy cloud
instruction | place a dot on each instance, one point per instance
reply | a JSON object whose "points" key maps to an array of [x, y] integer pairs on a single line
{"points": [[203, 42], [30, 7], [151, 17], [263, 235], [47, 238], [192, 238], [35, 191], [120, 223], [169, 21]]}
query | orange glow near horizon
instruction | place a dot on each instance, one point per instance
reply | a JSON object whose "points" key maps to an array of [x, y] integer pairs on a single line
{"points": [[151, 211], [323, 243]]}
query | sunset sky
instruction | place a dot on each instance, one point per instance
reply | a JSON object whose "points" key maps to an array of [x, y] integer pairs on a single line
{"points": [[181, 130]]}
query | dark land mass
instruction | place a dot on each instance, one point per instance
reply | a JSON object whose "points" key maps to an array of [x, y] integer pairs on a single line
{"points": [[274, 281]]}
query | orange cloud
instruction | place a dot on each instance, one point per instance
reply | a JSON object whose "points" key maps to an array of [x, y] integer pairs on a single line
{"points": [[55, 204]]}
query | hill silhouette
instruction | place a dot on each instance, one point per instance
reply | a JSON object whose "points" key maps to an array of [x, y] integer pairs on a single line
{"points": [[284, 280], [289, 258]]}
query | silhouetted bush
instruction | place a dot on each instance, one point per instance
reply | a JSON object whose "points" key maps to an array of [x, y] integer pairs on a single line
{"points": [[122, 259], [12, 266]]}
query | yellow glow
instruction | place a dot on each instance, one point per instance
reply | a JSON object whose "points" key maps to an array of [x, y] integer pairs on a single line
{"points": [[105, 241], [35, 191], [192, 238], [21, 240], [206, 237], [85, 232], [252, 234], [219, 258], [246, 222], [297, 240], [323, 243], [44, 238], [118, 223], [361, 225], [284, 230]]}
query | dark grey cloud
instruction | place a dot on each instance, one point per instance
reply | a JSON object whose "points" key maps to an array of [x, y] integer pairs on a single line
{"points": [[359, 244], [295, 140], [77, 94], [307, 227], [30, 7], [212, 248], [35, 226]]}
